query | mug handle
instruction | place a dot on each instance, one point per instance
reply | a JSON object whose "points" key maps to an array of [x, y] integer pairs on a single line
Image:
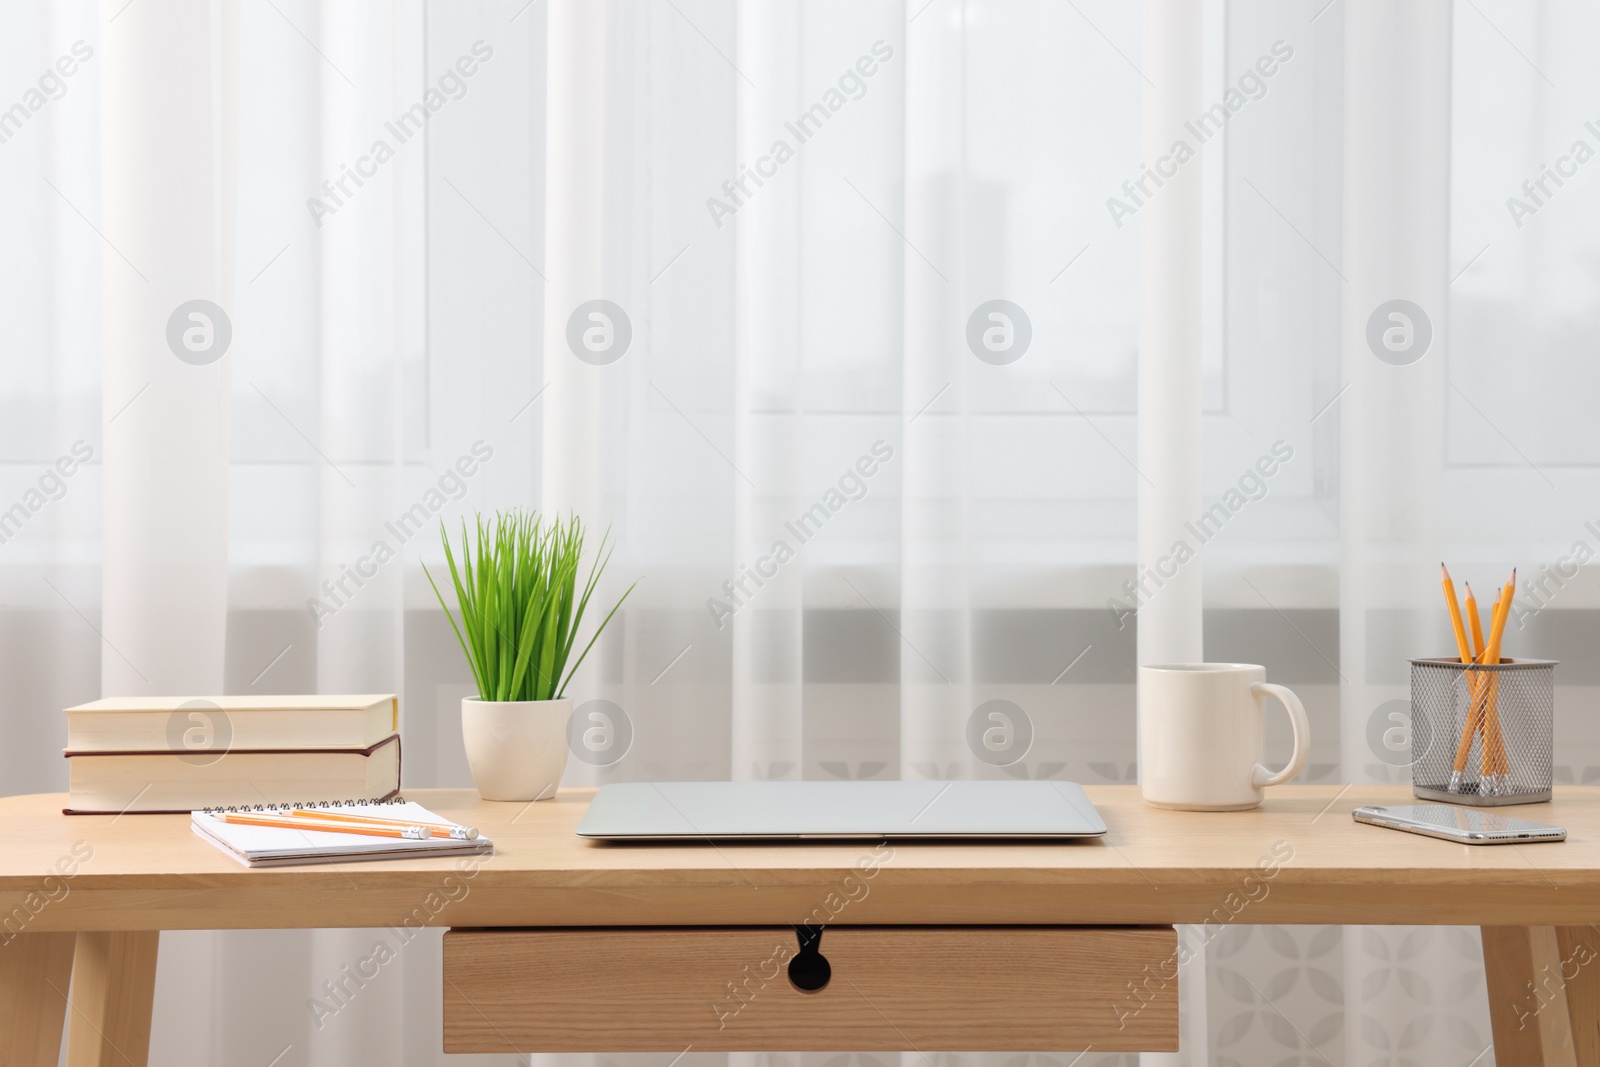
{"points": [[1302, 736]]}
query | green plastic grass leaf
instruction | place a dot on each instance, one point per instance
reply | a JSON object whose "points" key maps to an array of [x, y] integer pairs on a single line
{"points": [[516, 585]]}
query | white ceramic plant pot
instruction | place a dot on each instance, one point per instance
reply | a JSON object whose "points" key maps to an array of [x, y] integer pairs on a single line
{"points": [[517, 748]]}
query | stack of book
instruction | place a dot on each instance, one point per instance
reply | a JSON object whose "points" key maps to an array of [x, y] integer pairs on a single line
{"points": [[175, 754]]}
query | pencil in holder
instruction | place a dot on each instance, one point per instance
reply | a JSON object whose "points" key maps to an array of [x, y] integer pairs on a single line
{"points": [[1486, 731]]}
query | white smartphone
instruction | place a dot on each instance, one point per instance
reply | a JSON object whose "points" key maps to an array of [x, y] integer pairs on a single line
{"points": [[1470, 826]]}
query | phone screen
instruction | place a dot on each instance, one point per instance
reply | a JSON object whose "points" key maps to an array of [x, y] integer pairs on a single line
{"points": [[1455, 817]]}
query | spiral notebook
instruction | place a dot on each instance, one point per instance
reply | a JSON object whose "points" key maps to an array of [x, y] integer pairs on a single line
{"points": [[271, 846]]}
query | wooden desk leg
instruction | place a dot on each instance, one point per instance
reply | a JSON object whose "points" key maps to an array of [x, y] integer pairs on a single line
{"points": [[34, 972], [1580, 950], [1529, 982], [113, 991]]}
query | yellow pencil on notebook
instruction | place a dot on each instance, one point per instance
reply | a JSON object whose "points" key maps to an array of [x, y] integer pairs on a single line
{"points": [[407, 832], [437, 829]]}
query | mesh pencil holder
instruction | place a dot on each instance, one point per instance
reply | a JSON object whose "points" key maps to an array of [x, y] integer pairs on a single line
{"points": [[1482, 734]]}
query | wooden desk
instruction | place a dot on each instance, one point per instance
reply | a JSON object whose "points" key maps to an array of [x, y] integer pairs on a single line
{"points": [[135, 875]]}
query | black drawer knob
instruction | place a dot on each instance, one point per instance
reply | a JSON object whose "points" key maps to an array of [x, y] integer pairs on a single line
{"points": [[809, 971]]}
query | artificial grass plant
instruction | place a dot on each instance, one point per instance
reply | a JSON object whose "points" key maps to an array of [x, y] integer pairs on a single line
{"points": [[517, 587]]}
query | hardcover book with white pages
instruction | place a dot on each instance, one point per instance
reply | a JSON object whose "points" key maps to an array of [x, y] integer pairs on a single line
{"points": [[174, 724], [119, 783]]}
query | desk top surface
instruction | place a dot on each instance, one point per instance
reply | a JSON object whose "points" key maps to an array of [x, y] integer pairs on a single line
{"points": [[1297, 859]]}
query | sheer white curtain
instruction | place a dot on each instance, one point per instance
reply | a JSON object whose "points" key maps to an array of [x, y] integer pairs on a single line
{"points": [[877, 536]]}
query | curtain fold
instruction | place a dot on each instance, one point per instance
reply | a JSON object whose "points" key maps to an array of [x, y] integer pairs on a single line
{"points": [[938, 219], [1394, 518], [167, 221], [764, 590]]}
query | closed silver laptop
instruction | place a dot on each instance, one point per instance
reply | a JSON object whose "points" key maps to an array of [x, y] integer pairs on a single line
{"points": [[646, 811]]}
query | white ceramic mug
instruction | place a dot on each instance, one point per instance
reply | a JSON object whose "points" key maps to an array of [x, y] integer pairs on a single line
{"points": [[1202, 735]]}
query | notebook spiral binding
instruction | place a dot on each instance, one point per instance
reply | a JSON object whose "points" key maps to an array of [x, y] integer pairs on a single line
{"points": [[396, 799]]}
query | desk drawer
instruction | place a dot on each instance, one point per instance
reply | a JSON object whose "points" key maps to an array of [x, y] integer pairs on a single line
{"points": [[928, 988]]}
